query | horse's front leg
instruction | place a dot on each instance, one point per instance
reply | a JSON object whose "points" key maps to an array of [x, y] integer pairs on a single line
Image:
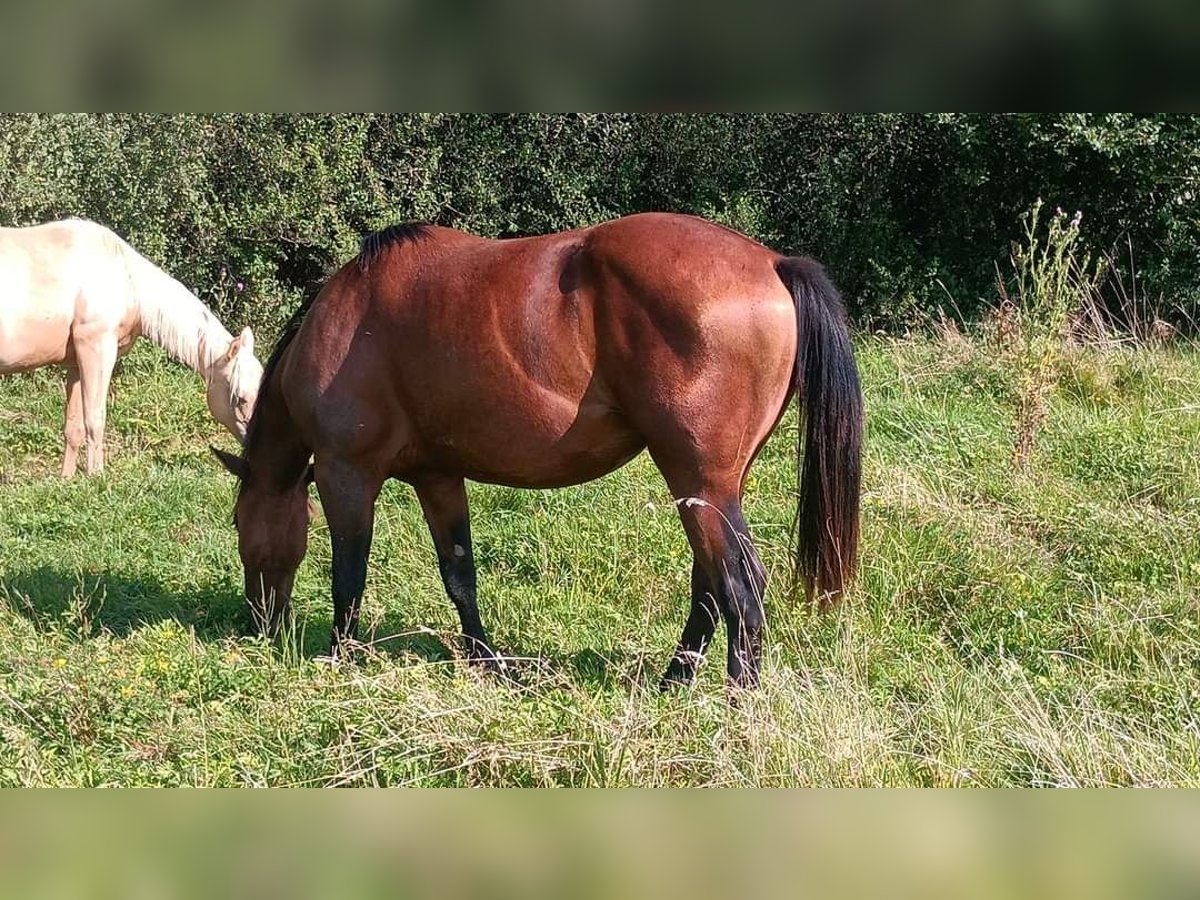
{"points": [[444, 502], [348, 493], [97, 354]]}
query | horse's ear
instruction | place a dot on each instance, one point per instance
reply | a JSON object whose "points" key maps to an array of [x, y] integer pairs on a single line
{"points": [[235, 464], [243, 343]]}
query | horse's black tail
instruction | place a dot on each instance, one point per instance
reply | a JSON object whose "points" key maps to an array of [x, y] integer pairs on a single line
{"points": [[828, 454]]}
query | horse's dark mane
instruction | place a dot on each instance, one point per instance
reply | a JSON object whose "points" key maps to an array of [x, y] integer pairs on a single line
{"points": [[264, 386], [374, 244]]}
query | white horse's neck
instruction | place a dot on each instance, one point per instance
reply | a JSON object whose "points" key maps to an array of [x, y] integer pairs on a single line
{"points": [[174, 318]]}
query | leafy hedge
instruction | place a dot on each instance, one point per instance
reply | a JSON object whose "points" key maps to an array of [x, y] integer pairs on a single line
{"points": [[909, 212]]}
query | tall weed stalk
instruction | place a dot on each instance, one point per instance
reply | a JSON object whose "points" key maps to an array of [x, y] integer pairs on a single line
{"points": [[1051, 279]]}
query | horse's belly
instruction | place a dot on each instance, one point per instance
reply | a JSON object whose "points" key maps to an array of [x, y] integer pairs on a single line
{"points": [[553, 469], [546, 454], [28, 340]]}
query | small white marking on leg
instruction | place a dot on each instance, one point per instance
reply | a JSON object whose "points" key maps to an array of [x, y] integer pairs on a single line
{"points": [[459, 551]]}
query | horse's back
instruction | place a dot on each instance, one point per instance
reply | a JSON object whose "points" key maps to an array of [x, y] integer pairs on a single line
{"points": [[682, 259], [48, 274], [686, 283], [453, 352]]}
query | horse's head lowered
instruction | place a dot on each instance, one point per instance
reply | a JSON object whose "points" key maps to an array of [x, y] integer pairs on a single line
{"points": [[233, 378], [271, 517]]}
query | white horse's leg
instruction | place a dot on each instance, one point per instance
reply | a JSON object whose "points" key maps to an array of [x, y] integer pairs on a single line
{"points": [[73, 432], [97, 357]]}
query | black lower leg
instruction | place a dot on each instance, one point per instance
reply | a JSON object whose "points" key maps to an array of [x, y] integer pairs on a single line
{"points": [[744, 630], [697, 633], [350, 552], [458, 576], [744, 616], [743, 582], [444, 503], [348, 495]]}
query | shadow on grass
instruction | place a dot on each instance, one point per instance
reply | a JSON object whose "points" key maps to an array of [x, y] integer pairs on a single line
{"points": [[88, 602], [588, 668], [85, 603]]}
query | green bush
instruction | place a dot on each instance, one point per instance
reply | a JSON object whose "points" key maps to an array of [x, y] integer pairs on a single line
{"points": [[910, 212]]}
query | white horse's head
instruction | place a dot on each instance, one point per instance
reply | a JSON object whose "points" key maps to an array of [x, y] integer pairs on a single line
{"points": [[232, 380]]}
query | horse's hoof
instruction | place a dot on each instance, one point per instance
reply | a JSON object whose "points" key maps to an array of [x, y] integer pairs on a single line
{"points": [[344, 649], [741, 686], [681, 672], [676, 681], [495, 666]]}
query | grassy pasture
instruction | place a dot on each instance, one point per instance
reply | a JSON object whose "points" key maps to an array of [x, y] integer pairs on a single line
{"points": [[1007, 629]]}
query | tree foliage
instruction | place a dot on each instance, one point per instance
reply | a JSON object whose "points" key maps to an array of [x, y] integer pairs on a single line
{"points": [[909, 212]]}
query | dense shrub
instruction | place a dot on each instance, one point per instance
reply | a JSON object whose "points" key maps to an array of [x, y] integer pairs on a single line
{"points": [[909, 212]]}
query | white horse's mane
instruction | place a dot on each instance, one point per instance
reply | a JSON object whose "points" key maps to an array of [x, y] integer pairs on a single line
{"points": [[172, 316]]}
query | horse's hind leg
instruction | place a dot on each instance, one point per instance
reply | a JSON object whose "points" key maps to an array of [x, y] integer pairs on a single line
{"points": [[704, 462], [73, 432], [444, 502], [727, 576], [697, 633]]}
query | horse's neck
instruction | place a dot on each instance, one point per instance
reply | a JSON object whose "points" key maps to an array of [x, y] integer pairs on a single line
{"points": [[274, 447], [174, 318]]}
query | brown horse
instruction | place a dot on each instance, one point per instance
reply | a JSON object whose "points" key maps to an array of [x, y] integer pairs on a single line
{"points": [[436, 356]]}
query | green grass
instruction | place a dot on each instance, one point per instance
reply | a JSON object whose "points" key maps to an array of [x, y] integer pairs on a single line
{"points": [[1007, 629]]}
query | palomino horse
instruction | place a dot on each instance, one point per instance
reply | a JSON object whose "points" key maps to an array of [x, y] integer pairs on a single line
{"points": [[72, 293], [436, 356]]}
